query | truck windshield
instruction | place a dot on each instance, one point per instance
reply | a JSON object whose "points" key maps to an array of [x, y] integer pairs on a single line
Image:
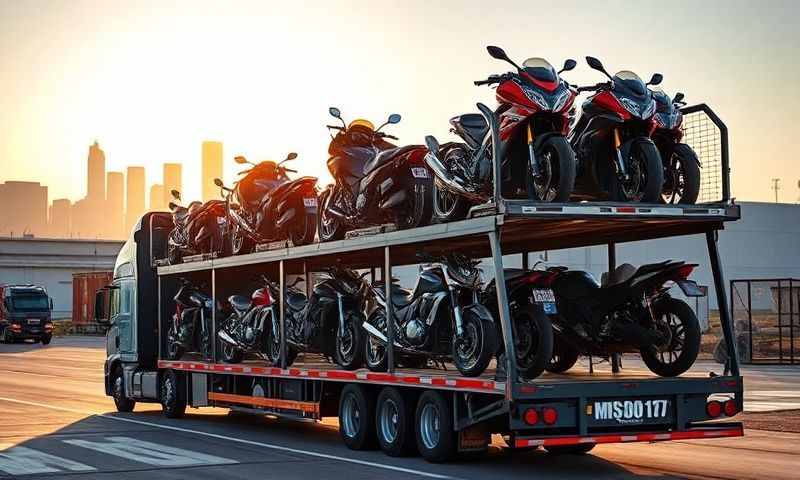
{"points": [[30, 303]]}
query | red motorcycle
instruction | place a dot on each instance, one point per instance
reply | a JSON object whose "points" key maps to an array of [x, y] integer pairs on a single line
{"points": [[198, 228], [681, 165], [537, 160]]}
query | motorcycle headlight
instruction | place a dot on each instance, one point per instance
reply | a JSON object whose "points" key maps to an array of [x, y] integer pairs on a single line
{"points": [[465, 275], [662, 120], [536, 97], [560, 101], [631, 106], [648, 111]]}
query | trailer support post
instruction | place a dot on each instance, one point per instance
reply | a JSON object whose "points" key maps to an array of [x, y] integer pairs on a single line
{"points": [[525, 260], [387, 280], [722, 303], [161, 334], [612, 265], [214, 315], [505, 314], [282, 310]]}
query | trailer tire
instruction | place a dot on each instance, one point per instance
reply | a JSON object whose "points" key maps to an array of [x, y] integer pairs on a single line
{"points": [[173, 394], [436, 435], [357, 418], [394, 422], [123, 403], [46, 339], [578, 449]]}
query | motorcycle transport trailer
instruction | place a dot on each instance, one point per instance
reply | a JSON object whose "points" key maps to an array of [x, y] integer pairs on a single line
{"points": [[438, 412]]}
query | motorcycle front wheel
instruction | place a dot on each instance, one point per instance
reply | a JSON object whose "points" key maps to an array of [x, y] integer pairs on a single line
{"points": [[174, 256], [174, 350], [329, 226], [374, 349], [349, 347], [473, 350], [645, 176], [676, 320], [230, 353], [557, 166], [274, 351], [240, 243], [681, 176], [448, 206]]}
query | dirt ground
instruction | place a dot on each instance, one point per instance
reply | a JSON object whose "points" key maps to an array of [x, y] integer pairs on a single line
{"points": [[777, 421]]}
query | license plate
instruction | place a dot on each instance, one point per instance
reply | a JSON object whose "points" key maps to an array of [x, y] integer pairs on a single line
{"points": [[543, 295], [419, 172], [310, 202], [618, 412], [33, 321], [691, 289]]}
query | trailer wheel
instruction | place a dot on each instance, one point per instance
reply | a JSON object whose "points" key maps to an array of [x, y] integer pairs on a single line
{"points": [[123, 403], [357, 418], [578, 449], [394, 422], [436, 436], [46, 339], [173, 394]]}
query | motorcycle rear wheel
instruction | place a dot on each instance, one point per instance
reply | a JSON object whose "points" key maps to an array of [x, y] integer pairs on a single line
{"points": [[557, 179], [473, 351], [564, 357], [683, 343], [329, 226], [681, 176], [646, 172], [534, 342], [448, 206], [274, 352], [304, 230], [418, 211]]}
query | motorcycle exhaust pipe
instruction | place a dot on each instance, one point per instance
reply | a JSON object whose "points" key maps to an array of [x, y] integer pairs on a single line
{"points": [[380, 336], [223, 335], [432, 160], [336, 211], [285, 218]]}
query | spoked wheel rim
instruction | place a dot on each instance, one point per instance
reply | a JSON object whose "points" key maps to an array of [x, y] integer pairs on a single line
{"points": [[118, 393], [671, 326], [444, 200], [351, 416], [527, 336], [328, 221], [468, 346], [674, 189], [430, 426], [228, 350], [633, 187], [388, 420], [545, 184], [275, 348], [237, 240], [167, 392]]}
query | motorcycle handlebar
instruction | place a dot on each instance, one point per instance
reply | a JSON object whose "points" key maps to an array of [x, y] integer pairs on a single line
{"points": [[289, 170], [335, 127], [594, 88]]}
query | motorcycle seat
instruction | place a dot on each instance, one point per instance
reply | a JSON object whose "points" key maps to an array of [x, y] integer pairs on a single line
{"points": [[514, 273], [239, 302], [475, 125], [621, 274], [296, 300], [384, 156]]}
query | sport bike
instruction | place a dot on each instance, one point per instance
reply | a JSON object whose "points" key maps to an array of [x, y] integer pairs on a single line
{"points": [[631, 310], [529, 306], [681, 165], [441, 319], [198, 228], [266, 206], [327, 322], [617, 159], [375, 182], [190, 329], [535, 156], [247, 327]]}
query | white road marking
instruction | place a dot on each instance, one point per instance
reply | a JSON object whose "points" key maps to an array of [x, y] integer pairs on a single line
{"points": [[27, 461], [150, 453], [238, 440]]}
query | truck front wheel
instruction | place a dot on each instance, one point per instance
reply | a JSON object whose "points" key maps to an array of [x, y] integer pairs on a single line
{"points": [[173, 394], [123, 403]]}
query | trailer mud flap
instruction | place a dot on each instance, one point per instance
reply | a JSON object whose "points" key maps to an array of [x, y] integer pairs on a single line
{"points": [[473, 438]]}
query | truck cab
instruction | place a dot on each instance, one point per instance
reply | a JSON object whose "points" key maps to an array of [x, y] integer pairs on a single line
{"points": [[25, 314]]}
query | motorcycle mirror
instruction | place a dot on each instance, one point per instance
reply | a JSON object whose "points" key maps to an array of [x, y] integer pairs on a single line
{"points": [[432, 143], [394, 118], [175, 194], [335, 113], [569, 64], [240, 159], [172, 205], [596, 64], [218, 182], [497, 52], [291, 156], [678, 97], [655, 79]]}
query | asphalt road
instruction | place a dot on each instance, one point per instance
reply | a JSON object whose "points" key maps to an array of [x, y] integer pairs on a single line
{"points": [[55, 421]]}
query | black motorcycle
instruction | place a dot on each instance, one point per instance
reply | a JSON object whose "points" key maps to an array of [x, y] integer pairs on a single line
{"points": [[681, 165], [246, 329], [616, 157], [190, 330], [266, 206], [375, 181], [441, 319], [197, 228], [328, 322], [631, 310], [529, 306]]}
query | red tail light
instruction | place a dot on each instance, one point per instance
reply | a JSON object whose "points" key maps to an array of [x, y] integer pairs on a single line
{"points": [[685, 271], [730, 408], [550, 415], [714, 409], [531, 416]]}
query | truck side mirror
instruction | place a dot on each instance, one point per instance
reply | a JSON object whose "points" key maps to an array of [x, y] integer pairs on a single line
{"points": [[51, 303], [100, 312]]}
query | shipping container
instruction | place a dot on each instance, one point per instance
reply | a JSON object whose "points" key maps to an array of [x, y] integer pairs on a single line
{"points": [[84, 287]]}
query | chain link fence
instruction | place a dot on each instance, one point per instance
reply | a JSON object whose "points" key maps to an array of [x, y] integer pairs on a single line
{"points": [[707, 135], [766, 318]]}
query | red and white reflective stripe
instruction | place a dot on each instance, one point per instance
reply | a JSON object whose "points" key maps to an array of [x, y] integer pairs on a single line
{"points": [[626, 210], [342, 375], [639, 437]]}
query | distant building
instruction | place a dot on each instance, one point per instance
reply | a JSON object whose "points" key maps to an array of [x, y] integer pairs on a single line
{"points": [[212, 168], [96, 174], [157, 197], [24, 206], [60, 218], [172, 180], [135, 195], [88, 219], [115, 205]]}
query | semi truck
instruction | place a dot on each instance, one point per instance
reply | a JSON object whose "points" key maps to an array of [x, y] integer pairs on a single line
{"points": [[25, 314]]}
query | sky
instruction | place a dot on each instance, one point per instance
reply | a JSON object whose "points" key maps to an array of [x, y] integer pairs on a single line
{"points": [[151, 80]]}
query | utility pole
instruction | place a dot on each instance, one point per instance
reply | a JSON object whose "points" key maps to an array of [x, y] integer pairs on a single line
{"points": [[775, 187]]}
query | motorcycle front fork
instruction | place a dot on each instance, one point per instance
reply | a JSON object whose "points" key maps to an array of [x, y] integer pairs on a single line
{"points": [[534, 162], [341, 314], [620, 163], [457, 310]]}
